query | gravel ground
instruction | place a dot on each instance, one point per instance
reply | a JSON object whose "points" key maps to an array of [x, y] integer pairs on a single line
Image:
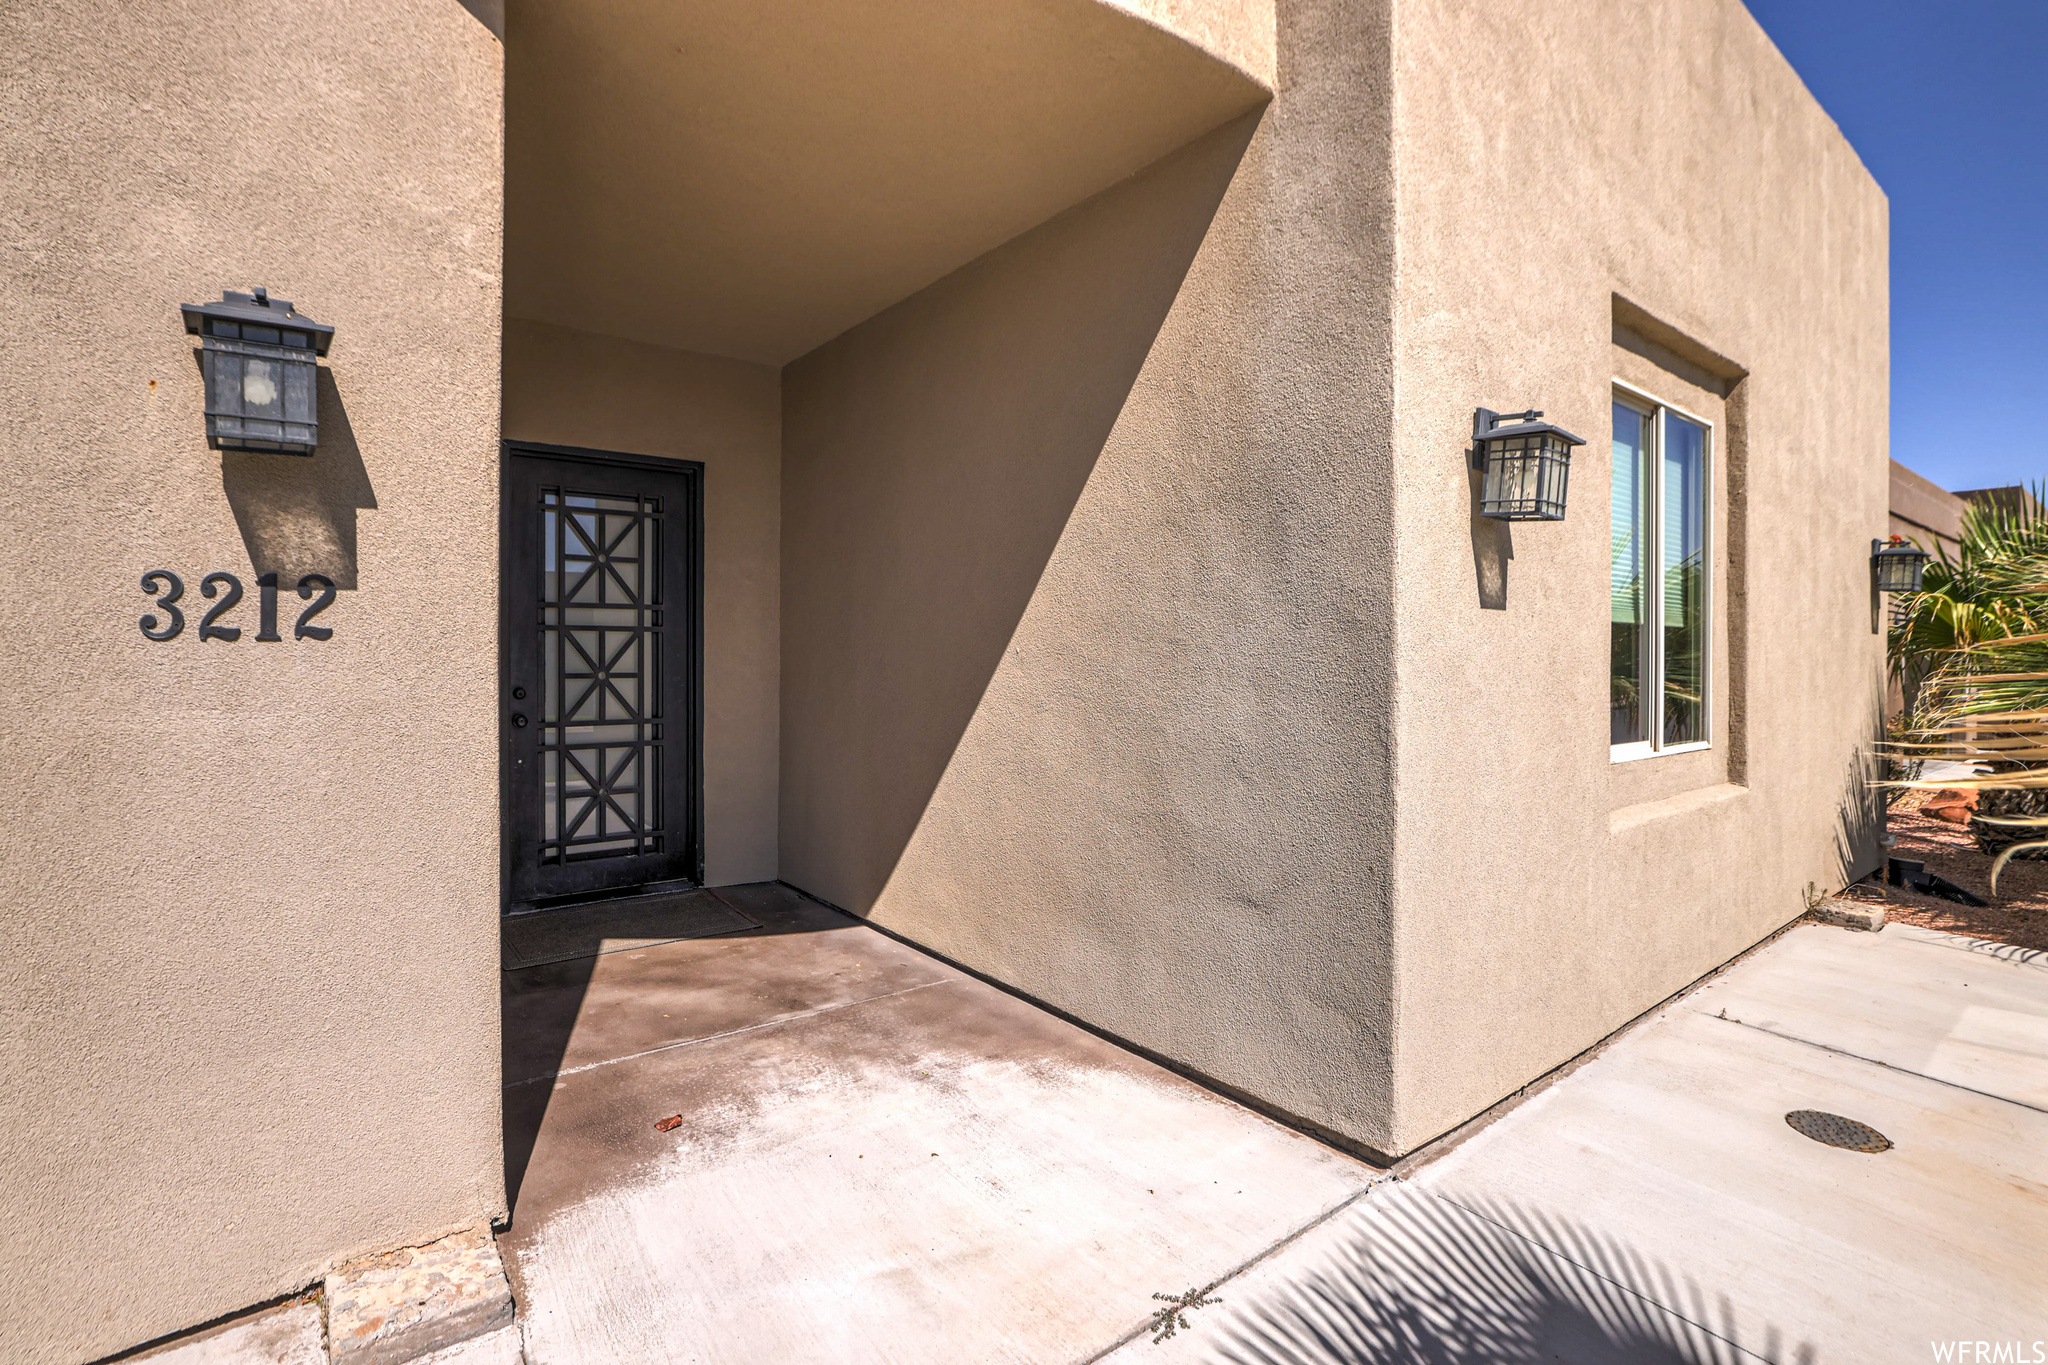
{"points": [[2020, 914]]}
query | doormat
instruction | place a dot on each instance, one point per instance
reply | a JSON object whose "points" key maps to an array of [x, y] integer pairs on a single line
{"points": [[614, 926]]}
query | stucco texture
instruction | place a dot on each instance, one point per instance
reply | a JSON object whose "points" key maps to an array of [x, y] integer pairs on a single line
{"points": [[1098, 577], [577, 389], [1087, 631], [1660, 165], [248, 945], [1108, 615]]}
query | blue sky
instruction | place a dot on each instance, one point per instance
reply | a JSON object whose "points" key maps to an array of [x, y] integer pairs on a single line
{"points": [[1947, 103]]}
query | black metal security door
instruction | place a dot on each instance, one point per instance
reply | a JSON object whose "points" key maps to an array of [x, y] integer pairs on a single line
{"points": [[602, 648]]}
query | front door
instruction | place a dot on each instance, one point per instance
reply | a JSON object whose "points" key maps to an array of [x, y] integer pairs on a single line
{"points": [[600, 647]]}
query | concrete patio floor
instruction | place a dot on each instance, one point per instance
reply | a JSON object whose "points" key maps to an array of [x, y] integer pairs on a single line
{"points": [[1654, 1206], [870, 1156], [879, 1158]]}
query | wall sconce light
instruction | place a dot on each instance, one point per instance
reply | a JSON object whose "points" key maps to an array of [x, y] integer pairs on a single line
{"points": [[257, 355], [1895, 564], [1525, 462]]}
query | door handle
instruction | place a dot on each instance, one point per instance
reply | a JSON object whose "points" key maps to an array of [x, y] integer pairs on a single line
{"points": [[518, 720]]}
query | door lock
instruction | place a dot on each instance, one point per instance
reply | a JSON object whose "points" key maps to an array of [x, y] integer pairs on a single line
{"points": [[518, 720]]}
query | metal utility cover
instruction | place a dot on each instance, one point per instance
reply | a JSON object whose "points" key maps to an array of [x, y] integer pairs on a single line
{"points": [[1837, 1131]]}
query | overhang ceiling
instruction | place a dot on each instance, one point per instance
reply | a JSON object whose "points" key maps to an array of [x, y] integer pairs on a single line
{"points": [[752, 177]]}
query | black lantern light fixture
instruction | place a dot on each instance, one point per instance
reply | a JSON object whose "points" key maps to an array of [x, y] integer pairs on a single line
{"points": [[257, 355], [1895, 564], [1525, 462]]}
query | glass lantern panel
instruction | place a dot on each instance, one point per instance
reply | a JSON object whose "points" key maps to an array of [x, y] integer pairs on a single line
{"points": [[301, 403], [1502, 475], [1512, 475], [1898, 569], [261, 385], [1490, 486], [1557, 467]]}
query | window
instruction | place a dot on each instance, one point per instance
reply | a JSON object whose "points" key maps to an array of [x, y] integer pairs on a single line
{"points": [[1659, 580]]}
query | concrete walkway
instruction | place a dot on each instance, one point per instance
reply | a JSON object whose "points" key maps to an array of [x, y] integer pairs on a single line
{"points": [[809, 1143], [1654, 1206], [872, 1157]]}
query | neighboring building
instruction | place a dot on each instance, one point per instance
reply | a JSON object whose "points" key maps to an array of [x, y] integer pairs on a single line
{"points": [[1925, 513], [2011, 498], [1049, 428]]}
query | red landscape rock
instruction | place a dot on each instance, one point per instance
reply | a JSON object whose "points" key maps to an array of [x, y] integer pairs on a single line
{"points": [[1950, 805]]}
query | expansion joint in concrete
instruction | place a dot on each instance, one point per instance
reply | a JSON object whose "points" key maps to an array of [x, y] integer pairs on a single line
{"points": [[729, 1033], [1263, 1254], [1889, 1066]]}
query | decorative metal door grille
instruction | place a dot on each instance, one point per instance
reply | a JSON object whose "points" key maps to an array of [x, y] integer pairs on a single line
{"points": [[601, 647], [601, 627]]}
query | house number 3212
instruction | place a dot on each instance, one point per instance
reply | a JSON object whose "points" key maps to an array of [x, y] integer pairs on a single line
{"points": [[167, 588]]}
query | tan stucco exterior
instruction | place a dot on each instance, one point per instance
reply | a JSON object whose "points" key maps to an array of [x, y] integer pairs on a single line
{"points": [[1677, 166], [1077, 720], [250, 910], [1094, 591], [1087, 639]]}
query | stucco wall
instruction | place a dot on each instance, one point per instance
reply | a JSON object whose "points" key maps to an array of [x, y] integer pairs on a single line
{"points": [[577, 389], [1668, 155], [248, 891], [1086, 623]]}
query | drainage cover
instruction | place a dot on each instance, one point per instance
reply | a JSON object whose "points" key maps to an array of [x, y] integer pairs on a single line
{"points": [[1837, 1131]]}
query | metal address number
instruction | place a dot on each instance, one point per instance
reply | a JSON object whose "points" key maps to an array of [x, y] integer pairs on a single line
{"points": [[167, 588]]}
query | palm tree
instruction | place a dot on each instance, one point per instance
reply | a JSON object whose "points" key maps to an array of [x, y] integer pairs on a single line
{"points": [[1995, 588], [1970, 649]]}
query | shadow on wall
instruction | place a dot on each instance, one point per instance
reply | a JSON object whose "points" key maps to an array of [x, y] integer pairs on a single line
{"points": [[932, 459], [1420, 1280], [1493, 545], [297, 513], [489, 13], [1860, 812]]}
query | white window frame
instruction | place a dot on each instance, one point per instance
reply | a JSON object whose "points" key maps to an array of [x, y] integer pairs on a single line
{"points": [[1652, 687]]}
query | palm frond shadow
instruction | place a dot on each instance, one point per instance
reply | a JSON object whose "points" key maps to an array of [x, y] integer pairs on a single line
{"points": [[1416, 1279], [1867, 788]]}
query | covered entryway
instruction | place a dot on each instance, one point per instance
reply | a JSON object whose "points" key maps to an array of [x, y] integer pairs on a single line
{"points": [[718, 218], [699, 197]]}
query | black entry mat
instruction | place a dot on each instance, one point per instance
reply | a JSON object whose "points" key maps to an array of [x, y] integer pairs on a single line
{"points": [[614, 926]]}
